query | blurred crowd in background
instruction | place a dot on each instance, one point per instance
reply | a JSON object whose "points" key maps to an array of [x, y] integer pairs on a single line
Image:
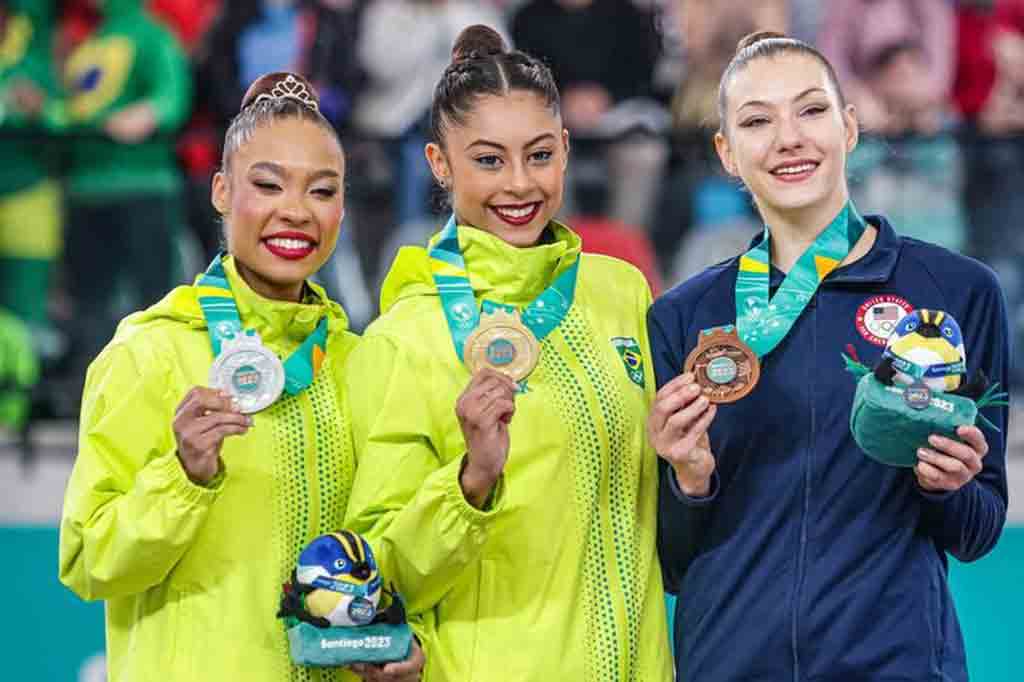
{"points": [[112, 113]]}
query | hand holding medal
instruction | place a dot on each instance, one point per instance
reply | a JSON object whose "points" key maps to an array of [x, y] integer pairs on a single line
{"points": [[485, 410], [204, 418], [678, 430]]}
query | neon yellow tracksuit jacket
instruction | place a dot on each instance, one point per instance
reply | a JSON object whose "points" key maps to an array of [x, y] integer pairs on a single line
{"points": [[192, 575], [557, 579]]}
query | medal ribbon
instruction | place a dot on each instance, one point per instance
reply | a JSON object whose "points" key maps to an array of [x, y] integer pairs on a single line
{"points": [[448, 267], [223, 322], [763, 323]]}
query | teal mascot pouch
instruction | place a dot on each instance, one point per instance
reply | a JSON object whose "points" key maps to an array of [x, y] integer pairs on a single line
{"points": [[887, 429], [336, 611], [917, 390]]}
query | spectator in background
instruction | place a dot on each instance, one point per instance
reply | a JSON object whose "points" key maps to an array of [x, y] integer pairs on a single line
{"points": [[602, 234], [188, 19], [316, 39], [128, 91], [30, 220], [603, 53], [989, 93], [404, 47], [899, 72], [198, 146], [705, 216], [899, 75]]}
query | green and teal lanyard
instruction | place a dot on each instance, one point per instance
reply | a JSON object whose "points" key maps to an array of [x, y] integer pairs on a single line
{"points": [[762, 320], [448, 268], [223, 322]]}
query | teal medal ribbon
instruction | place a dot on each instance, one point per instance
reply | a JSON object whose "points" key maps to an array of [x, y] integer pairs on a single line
{"points": [[451, 276], [726, 362], [763, 322], [224, 326]]}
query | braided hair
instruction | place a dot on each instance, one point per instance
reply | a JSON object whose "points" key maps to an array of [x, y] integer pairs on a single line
{"points": [[482, 65]]}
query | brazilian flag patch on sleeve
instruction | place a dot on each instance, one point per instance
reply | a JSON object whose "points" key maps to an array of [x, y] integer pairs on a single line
{"points": [[632, 358]]}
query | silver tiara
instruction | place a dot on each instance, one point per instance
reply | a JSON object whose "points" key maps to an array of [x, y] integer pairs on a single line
{"points": [[291, 88]]}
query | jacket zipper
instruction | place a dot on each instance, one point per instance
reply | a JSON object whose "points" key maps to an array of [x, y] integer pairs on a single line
{"points": [[801, 571]]}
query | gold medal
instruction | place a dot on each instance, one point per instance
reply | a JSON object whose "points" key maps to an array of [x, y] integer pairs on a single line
{"points": [[725, 367], [502, 342]]}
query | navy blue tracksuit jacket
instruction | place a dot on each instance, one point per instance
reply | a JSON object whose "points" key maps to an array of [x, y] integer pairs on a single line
{"points": [[810, 561]]}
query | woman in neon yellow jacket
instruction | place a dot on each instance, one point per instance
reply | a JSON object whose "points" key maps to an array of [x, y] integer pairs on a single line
{"points": [[186, 533], [517, 518]]}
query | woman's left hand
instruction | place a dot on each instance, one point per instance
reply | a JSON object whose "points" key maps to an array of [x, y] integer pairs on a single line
{"points": [[408, 670], [949, 465]]}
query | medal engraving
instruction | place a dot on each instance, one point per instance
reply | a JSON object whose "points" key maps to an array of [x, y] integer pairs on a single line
{"points": [[725, 368], [249, 371], [503, 343]]}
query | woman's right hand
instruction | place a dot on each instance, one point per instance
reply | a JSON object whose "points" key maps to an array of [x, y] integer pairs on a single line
{"points": [[484, 411], [678, 429], [204, 418]]}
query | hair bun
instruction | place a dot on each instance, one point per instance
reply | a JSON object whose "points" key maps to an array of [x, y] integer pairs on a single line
{"points": [[476, 42], [758, 36], [282, 85]]}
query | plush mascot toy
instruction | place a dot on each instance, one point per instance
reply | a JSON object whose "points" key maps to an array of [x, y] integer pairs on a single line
{"points": [[336, 609], [918, 388]]}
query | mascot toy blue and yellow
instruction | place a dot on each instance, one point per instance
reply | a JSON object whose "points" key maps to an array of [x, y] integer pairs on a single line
{"points": [[919, 387], [336, 610]]}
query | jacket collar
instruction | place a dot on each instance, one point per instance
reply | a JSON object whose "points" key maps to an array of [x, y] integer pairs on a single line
{"points": [[497, 270]]}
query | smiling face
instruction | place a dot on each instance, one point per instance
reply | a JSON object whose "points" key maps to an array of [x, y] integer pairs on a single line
{"points": [[505, 166], [787, 136], [282, 202]]}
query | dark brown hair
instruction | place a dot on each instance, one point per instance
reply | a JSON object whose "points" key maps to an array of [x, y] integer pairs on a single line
{"points": [[764, 44], [274, 96], [482, 65]]}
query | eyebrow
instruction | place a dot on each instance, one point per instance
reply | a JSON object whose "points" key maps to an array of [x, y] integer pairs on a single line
{"points": [[279, 170], [757, 102], [498, 145]]}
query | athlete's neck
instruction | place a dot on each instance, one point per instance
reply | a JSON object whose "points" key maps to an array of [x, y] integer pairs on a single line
{"points": [[291, 292], [793, 232]]}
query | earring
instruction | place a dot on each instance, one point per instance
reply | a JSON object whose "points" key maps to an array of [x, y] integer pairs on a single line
{"points": [[444, 184]]}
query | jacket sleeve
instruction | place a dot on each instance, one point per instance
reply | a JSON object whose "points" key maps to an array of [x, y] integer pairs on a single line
{"points": [[406, 499], [967, 523], [680, 518], [130, 512], [168, 81]]}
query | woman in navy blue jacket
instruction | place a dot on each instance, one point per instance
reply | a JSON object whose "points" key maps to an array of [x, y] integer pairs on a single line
{"points": [[793, 555]]}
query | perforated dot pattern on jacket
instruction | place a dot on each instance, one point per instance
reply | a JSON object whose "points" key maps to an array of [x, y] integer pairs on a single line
{"points": [[606, 480], [313, 471]]}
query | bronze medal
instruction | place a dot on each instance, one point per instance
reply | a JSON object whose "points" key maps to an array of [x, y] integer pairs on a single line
{"points": [[503, 343], [725, 367]]}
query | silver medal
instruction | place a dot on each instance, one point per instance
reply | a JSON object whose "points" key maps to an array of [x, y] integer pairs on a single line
{"points": [[249, 371]]}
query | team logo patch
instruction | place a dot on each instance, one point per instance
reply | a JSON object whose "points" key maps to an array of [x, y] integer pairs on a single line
{"points": [[878, 316], [632, 358]]}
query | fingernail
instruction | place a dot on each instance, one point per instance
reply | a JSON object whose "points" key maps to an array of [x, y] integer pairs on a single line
{"points": [[688, 376], [702, 401], [921, 452], [935, 440], [693, 388], [248, 421]]}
